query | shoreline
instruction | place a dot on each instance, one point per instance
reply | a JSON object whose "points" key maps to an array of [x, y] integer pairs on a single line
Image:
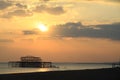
{"points": [[88, 74]]}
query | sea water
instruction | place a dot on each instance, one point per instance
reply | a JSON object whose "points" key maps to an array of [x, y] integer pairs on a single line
{"points": [[5, 69]]}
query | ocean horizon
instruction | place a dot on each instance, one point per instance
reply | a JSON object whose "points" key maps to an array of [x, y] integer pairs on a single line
{"points": [[60, 66]]}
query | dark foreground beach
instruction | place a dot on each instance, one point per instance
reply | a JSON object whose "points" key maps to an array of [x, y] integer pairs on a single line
{"points": [[95, 74]]}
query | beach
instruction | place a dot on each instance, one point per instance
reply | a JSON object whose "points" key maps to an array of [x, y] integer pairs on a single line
{"points": [[88, 74]]}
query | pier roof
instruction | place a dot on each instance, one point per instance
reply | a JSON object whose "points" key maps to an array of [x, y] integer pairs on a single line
{"points": [[30, 59]]}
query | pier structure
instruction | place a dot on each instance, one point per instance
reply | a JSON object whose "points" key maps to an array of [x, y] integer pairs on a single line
{"points": [[30, 61]]}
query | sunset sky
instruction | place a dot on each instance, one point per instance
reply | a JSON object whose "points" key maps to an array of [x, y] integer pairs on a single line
{"points": [[60, 30]]}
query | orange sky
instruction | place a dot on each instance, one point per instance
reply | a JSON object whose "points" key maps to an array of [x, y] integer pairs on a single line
{"points": [[60, 30]]}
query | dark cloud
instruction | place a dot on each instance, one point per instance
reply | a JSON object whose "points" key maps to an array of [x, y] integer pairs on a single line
{"points": [[6, 40], [71, 29], [4, 4], [21, 5], [55, 10], [51, 10], [21, 9], [77, 30], [20, 12], [29, 32]]}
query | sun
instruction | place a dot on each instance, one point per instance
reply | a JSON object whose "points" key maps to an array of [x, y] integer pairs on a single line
{"points": [[42, 27]]}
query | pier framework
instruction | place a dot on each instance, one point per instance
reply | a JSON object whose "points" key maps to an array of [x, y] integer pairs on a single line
{"points": [[30, 61]]}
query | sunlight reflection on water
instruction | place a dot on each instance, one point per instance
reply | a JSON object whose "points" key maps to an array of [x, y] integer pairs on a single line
{"points": [[43, 70]]}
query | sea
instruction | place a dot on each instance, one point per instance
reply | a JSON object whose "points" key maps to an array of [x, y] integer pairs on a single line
{"points": [[6, 69]]}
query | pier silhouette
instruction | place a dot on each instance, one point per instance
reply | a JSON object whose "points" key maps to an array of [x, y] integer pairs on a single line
{"points": [[30, 61]]}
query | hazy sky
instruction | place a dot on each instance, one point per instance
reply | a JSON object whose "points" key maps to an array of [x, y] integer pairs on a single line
{"points": [[60, 30]]}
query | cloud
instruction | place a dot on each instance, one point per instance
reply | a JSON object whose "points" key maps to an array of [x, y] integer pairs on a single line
{"points": [[29, 32], [71, 29], [4, 4], [6, 40], [77, 30], [20, 9], [21, 5], [20, 12], [51, 10]]}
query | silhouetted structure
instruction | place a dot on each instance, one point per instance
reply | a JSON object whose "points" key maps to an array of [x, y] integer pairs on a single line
{"points": [[114, 65], [30, 61]]}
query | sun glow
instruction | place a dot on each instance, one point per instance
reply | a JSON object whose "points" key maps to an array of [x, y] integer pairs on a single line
{"points": [[42, 27]]}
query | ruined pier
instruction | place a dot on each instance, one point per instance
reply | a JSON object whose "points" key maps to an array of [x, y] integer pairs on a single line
{"points": [[30, 61]]}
